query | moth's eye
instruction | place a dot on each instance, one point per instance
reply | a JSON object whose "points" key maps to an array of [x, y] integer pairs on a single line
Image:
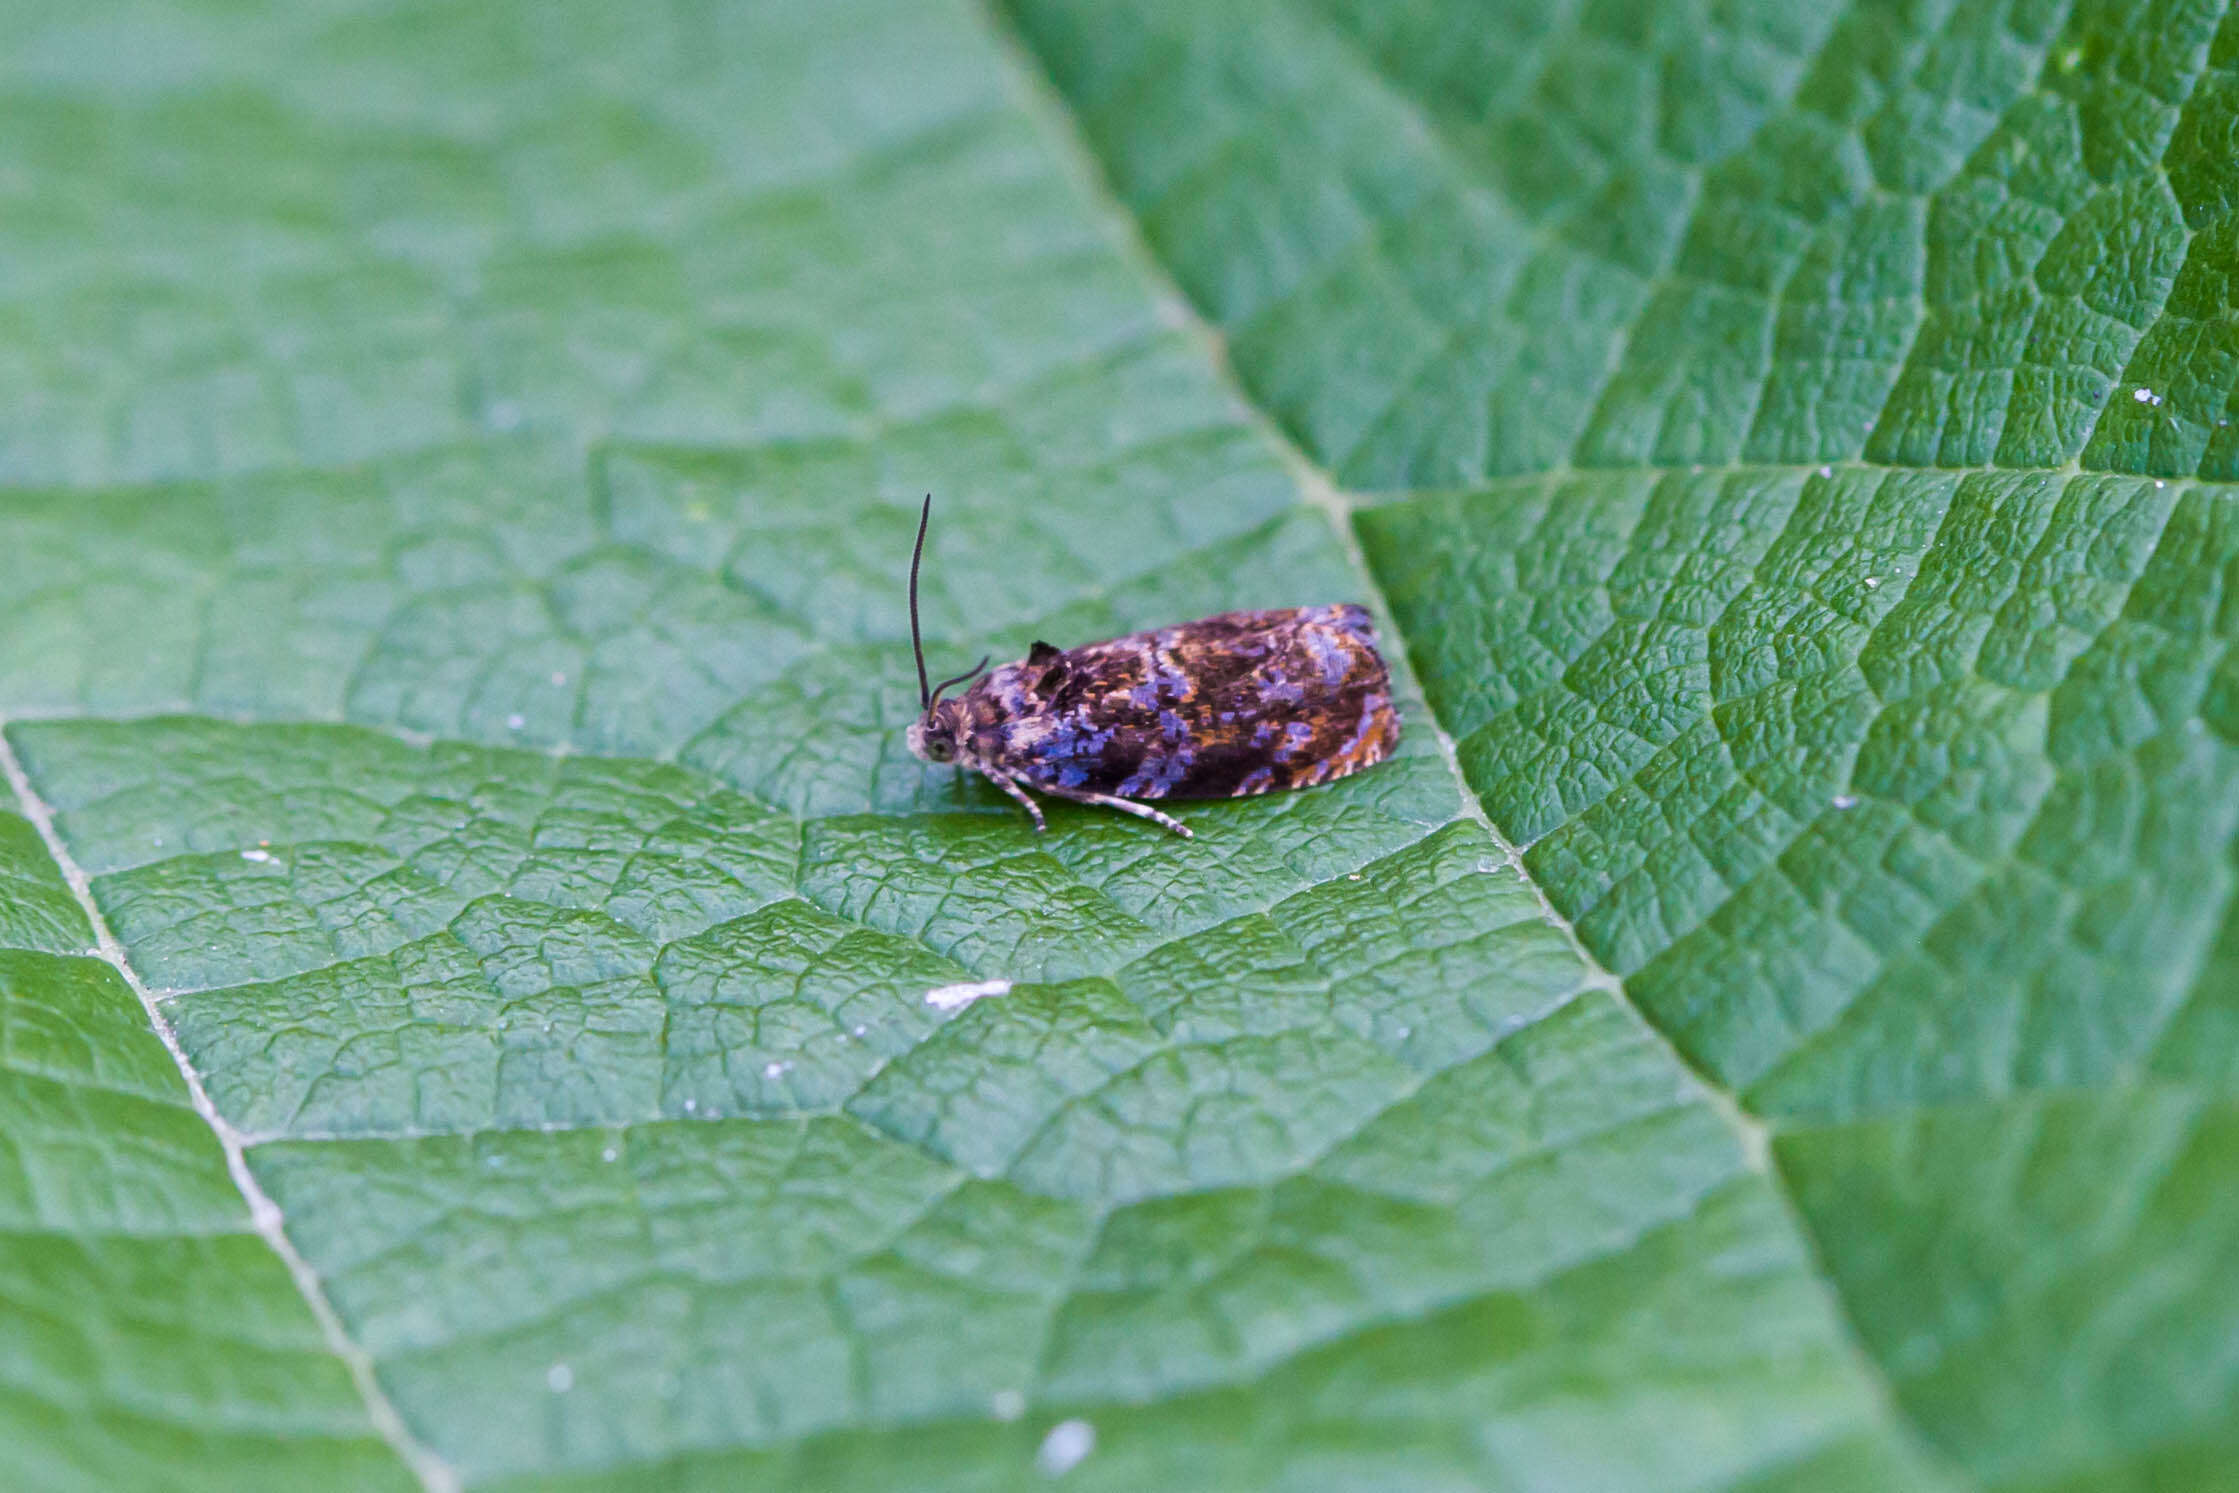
{"points": [[940, 749]]}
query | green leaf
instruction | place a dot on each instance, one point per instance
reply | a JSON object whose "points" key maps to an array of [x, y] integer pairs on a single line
{"points": [[466, 933], [153, 1332]]}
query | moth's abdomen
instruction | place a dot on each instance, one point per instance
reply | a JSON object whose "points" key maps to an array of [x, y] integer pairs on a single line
{"points": [[1241, 703]]}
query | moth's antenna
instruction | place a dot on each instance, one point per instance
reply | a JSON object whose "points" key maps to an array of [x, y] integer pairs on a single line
{"points": [[917, 644], [971, 673]]}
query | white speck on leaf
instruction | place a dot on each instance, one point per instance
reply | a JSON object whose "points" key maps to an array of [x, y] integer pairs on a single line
{"points": [[2144, 396], [957, 997], [259, 856], [776, 1070], [1008, 1404], [1065, 1447], [691, 1105], [558, 679], [516, 722], [1872, 581], [1846, 801], [559, 1378], [1826, 471]]}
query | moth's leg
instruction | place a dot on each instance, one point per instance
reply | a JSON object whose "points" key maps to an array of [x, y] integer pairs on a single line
{"points": [[1124, 805], [1010, 786]]}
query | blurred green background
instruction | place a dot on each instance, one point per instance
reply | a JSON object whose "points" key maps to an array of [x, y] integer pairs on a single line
{"points": [[465, 911]]}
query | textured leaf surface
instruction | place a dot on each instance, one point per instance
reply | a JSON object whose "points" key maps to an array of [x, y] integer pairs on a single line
{"points": [[151, 1332], [450, 531], [1856, 663]]}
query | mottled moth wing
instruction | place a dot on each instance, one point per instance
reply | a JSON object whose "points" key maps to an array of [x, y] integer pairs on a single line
{"points": [[1241, 703]]}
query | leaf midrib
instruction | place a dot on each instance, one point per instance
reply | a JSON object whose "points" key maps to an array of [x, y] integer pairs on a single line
{"points": [[263, 1217]]}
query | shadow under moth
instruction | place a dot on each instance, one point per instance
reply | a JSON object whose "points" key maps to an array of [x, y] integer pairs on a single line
{"points": [[1224, 707]]}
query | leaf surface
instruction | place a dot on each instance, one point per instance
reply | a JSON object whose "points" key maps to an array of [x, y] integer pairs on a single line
{"points": [[1772, 1026]]}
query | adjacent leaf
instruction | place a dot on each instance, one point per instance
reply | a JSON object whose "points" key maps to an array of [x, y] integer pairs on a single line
{"points": [[1448, 242], [1902, 798]]}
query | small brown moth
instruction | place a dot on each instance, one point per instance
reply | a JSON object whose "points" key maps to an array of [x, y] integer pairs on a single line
{"points": [[1225, 707]]}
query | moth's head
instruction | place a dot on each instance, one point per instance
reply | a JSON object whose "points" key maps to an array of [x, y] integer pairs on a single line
{"points": [[936, 734]]}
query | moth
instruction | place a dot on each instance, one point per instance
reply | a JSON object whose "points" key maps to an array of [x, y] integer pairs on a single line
{"points": [[1224, 707]]}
